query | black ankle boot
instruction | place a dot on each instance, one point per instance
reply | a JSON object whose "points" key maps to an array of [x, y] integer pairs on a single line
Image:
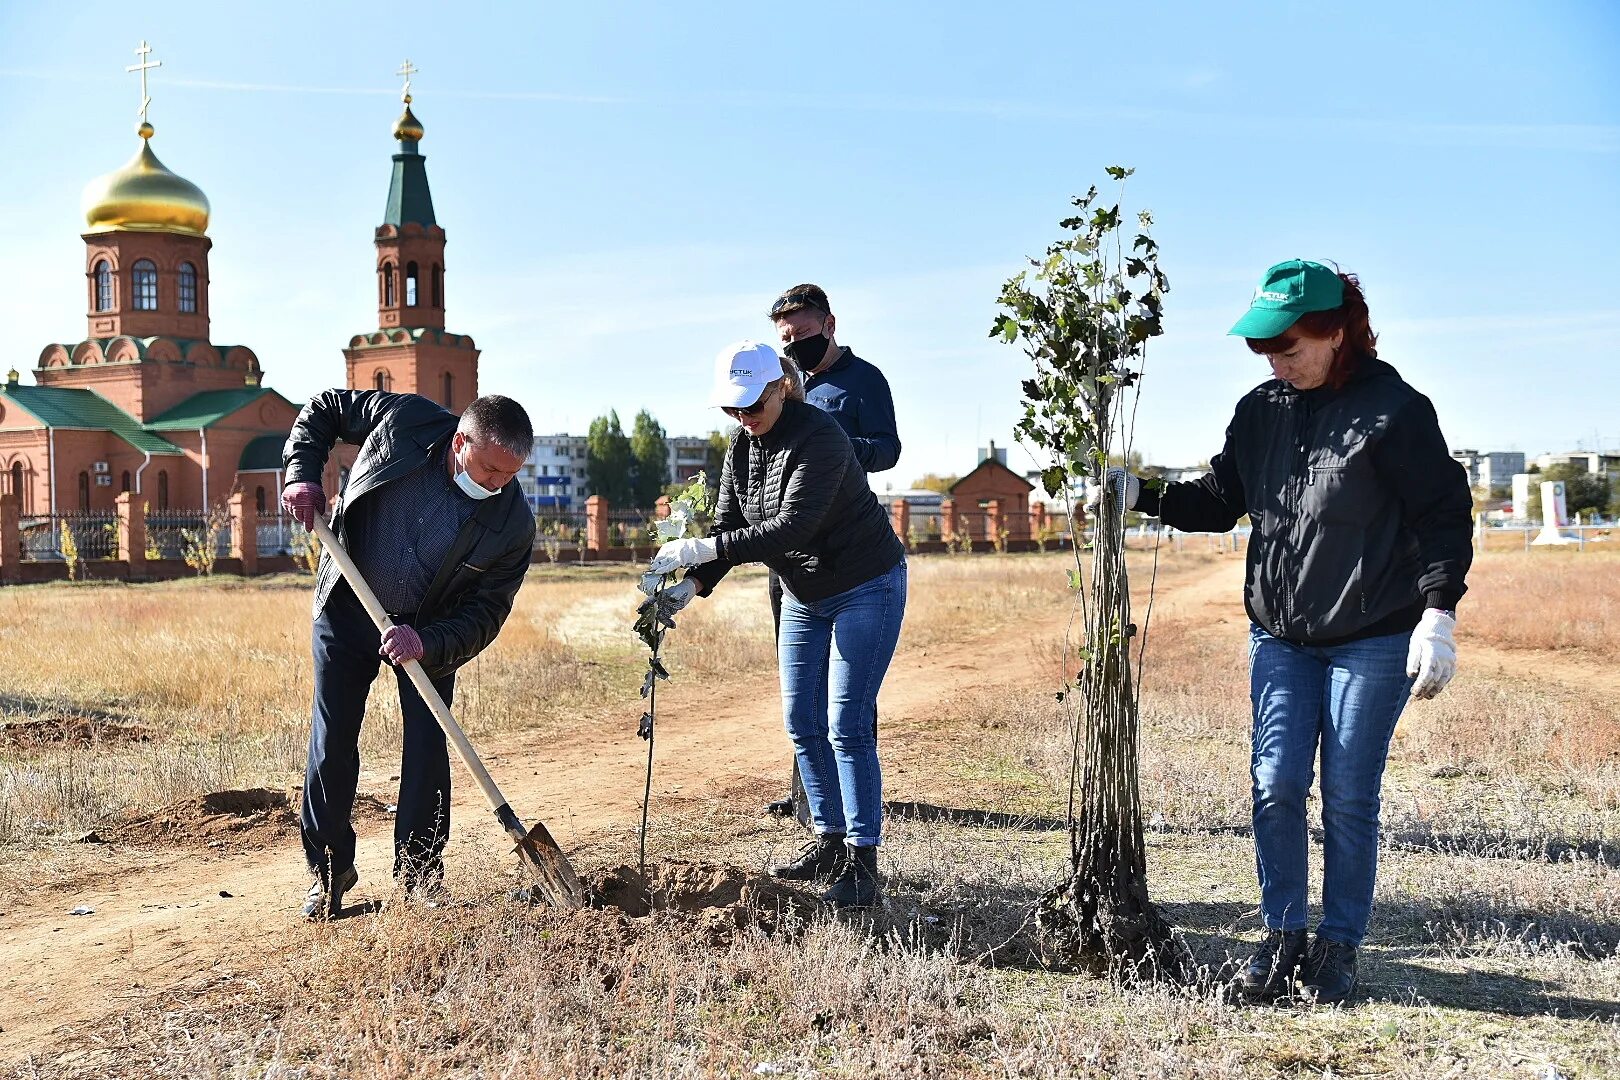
{"points": [[1270, 972], [857, 886], [821, 860], [1330, 972]]}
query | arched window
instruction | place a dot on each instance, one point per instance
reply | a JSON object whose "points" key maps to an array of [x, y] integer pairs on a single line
{"points": [[258, 498], [388, 285], [103, 286], [188, 287], [125, 486], [449, 390], [163, 489], [410, 284], [438, 286], [17, 483], [379, 381], [84, 492], [145, 275]]}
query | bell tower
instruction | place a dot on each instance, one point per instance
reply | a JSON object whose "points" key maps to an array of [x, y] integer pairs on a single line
{"points": [[410, 351]]}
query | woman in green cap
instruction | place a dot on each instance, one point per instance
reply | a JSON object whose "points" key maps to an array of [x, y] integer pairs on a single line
{"points": [[1361, 540]]}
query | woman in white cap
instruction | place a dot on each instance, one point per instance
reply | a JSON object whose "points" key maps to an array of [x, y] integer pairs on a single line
{"points": [[794, 497], [1361, 540]]}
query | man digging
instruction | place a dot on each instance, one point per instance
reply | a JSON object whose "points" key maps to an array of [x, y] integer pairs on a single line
{"points": [[439, 529]]}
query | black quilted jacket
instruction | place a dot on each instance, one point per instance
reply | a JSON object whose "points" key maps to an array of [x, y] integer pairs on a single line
{"points": [[796, 500]]}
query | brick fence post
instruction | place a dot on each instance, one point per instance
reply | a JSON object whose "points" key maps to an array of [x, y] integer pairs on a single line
{"points": [[10, 539], [661, 507], [992, 520], [900, 515], [131, 511], [245, 533], [947, 518], [596, 523]]}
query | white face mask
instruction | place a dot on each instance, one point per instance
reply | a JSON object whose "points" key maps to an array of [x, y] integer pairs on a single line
{"points": [[470, 487]]}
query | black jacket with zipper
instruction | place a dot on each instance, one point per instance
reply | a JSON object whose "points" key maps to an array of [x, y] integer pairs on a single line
{"points": [[1361, 518], [472, 593], [796, 499]]}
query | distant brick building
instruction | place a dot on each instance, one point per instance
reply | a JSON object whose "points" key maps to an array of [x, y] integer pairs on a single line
{"points": [[991, 498]]}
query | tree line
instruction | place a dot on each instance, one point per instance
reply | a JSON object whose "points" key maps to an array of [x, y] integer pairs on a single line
{"points": [[633, 470]]}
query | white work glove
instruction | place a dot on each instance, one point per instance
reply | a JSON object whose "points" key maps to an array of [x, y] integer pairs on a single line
{"points": [[1432, 657], [679, 553], [677, 596], [1111, 481]]}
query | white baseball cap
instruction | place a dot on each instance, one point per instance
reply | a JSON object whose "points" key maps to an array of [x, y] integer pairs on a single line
{"points": [[742, 372]]}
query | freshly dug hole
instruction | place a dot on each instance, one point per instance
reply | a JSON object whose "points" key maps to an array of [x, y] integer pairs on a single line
{"points": [[249, 818], [720, 897]]}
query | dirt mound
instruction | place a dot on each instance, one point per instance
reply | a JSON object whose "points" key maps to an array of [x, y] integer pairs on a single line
{"points": [[720, 898], [68, 731], [255, 817]]}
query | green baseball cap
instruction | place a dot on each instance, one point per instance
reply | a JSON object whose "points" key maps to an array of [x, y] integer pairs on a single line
{"points": [[1289, 290]]}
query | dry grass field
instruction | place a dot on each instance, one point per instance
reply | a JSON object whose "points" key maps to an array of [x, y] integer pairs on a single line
{"points": [[1494, 951]]}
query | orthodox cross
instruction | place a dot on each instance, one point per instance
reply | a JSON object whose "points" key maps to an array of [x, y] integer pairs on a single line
{"points": [[406, 71], [144, 52]]}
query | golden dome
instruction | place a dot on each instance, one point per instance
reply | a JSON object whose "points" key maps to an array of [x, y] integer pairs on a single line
{"points": [[408, 126], [144, 196]]}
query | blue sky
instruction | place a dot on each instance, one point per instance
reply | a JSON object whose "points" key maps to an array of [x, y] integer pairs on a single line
{"points": [[626, 187]]}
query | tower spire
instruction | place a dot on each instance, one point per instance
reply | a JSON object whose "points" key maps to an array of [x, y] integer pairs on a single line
{"points": [[144, 51]]}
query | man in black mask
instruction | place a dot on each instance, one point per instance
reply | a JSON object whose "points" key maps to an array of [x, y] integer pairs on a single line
{"points": [[854, 393]]}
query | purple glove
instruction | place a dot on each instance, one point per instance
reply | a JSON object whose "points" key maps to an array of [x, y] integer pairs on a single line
{"points": [[303, 501], [399, 644]]}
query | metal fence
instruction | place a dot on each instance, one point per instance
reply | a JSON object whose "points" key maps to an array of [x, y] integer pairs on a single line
{"points": [[93, 535], [558, 530], [631, 528], [169, 531], [279, 534]]}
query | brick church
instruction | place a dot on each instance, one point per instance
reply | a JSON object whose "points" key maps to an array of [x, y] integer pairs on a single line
{"points": [[148, 403]]}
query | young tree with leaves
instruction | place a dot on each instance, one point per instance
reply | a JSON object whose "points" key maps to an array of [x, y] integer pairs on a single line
{"points": [[1084, 315]]}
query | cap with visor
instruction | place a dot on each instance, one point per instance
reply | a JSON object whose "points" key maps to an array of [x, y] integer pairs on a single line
{"points": [[1289, 290], [742, 372]]}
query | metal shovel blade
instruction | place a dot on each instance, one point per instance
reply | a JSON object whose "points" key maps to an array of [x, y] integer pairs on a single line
{"points": [[549, 869]]}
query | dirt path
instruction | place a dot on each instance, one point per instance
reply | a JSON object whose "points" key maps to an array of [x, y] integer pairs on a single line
{"points": [[165, 917]]}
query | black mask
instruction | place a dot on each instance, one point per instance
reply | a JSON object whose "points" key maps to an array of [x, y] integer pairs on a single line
{"points": [[808, 352]]}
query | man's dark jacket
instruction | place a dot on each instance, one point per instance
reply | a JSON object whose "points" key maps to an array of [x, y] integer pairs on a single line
{"points": [[472, 593], [1361, 517], [855, 393], [796, 500]]}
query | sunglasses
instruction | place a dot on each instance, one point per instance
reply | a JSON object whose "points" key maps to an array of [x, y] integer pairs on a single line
{"points": [[750, 411], [796, 301]]}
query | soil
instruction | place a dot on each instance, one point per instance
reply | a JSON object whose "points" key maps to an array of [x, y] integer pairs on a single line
{"points": [[215, 881], [57, 731]]}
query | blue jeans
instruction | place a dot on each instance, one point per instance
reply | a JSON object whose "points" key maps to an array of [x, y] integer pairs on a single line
{"points": [[1345, 698], [833, 655], [346, 662]]}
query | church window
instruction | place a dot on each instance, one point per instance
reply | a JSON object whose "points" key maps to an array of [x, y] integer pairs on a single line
{"points": [[84, 492], [388, 284], [258, 498], [17, 483], [103, 286], [438, 286], [145, 286], [188, 287], [449, 390], [379, 381], [163, 489], [125, 481], [410, 284]]}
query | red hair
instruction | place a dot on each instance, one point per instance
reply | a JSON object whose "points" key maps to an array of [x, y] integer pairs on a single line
{"points": [[1351, 316]]}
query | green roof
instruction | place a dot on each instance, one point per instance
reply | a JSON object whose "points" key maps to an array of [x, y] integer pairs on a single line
{"points": [[262, 453], [61, 407], [207, 408], [409, 199]]}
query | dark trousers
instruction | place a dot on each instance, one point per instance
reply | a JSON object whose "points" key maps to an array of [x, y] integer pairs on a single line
{"points": [[345, 646]]}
